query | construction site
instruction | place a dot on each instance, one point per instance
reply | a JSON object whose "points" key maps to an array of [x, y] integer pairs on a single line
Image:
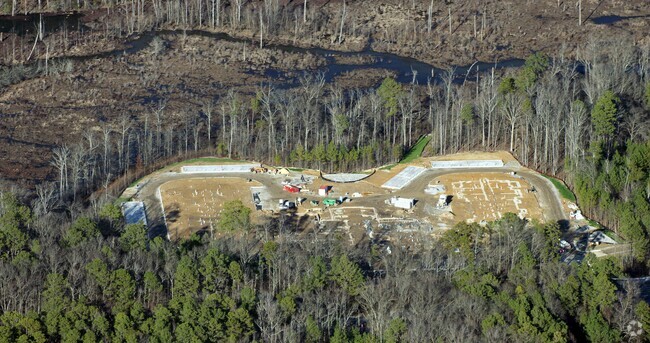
{"points": [[405, 203]]}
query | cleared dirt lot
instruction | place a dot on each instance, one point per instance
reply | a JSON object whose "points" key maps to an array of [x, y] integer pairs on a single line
{"points": [[193, 204], [487, 196]]}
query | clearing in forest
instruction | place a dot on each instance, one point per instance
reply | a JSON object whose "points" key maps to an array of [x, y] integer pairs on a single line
{"points": [[193, 204]]}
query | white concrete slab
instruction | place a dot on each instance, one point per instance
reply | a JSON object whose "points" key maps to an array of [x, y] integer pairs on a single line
{"points": [[404, 177]]}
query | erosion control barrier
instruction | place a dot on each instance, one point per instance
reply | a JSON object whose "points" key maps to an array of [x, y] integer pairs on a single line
{"points": [[226, 168], [345, 177], [466, 164]]}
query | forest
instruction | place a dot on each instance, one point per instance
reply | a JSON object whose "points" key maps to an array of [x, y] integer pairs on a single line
{"points": [[93, 279], [73, 271]]}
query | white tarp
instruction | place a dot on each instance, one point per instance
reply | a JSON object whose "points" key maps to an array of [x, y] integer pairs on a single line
{"points": [[404, 177], [345, 177], [467, 164], [226, 168], [435, 189], [134, 212], [600, 237]]}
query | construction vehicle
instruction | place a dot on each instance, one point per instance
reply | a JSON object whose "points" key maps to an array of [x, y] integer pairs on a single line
{"points": [[259, 170]]}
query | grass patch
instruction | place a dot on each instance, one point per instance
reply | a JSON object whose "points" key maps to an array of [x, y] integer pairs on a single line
{"points": [[121, 200], [388, 167], [416, 150], [593, 223], [135, 182], [562, 188], [297, 169]]}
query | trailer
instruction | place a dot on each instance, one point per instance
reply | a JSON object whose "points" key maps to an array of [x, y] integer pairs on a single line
{"points": [[405, 203], [324, 190]]}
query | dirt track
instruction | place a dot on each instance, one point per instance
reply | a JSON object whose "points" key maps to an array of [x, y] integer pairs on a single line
{"points": [[548, 197]]}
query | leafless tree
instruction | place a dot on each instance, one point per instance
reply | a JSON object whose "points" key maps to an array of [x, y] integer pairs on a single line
{"points": [[60, 158], [46, 198]]}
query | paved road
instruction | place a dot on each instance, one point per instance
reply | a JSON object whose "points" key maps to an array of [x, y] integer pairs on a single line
{"points": [[547, 194]]}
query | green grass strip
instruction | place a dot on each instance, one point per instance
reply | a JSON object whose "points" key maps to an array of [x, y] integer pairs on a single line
{"points": [[416, 150], [613, 235], [562, 188], [388, 167]]}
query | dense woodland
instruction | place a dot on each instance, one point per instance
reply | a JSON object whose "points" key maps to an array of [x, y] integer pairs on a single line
{"points": [[72, 271], [93, 279]]}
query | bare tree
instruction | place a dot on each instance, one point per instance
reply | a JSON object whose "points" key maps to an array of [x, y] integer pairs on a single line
{"points": [[60, 157], [512, 112], [46, 198], [343, 15], [208, 107]]}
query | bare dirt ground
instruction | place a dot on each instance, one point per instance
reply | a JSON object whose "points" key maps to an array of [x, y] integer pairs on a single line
{"points": [[195, 204], [488, 196], [383, 175]]}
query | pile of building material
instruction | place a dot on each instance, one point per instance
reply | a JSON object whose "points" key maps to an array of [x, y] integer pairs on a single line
{"points": [[598, 237], [577, 215], [286, 204], [435, 189], [442, 201], [134, 213]]}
